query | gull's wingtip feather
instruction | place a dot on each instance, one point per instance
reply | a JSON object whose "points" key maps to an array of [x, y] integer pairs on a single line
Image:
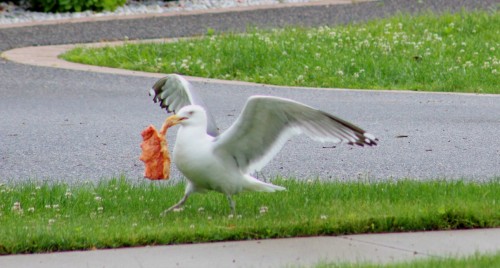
{"points": [[367, 139], [152, 92], [370, 139]]}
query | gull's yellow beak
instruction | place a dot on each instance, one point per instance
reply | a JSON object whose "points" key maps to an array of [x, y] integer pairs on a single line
{"points": [[170, 122], [174, 120]]}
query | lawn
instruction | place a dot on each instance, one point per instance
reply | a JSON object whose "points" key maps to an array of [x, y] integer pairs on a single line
{"points": [[474, 261], [46, 217], [448, 52]]}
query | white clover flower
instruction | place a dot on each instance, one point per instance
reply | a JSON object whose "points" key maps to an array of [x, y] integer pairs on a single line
{"points": [[468, 64], [97, 198], [31, 209], [16, 207], [51, 221], [201, 209], [323, 217], [263, 209]]}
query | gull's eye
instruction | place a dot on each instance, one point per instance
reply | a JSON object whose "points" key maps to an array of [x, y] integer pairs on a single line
{"points": [[191, 113]]}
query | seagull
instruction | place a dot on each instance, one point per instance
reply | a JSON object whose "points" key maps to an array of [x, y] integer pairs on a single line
{"points": [[224, 162]]}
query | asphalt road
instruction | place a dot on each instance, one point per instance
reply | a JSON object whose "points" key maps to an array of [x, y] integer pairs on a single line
{"points": [[76, 126]]}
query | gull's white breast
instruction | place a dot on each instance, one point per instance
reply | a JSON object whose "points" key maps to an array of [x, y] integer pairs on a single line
{"points": [[194, 157]]}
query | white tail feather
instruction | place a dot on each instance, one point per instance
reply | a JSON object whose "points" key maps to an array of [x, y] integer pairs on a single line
{"points": [[256, 185]]}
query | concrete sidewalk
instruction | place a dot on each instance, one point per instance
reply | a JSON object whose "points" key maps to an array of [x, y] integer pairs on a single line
{"points": [[375, 248]]}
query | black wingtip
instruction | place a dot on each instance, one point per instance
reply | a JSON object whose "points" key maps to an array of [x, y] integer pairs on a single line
{"points": [[364, 138], [369, 139], [156, 91]]}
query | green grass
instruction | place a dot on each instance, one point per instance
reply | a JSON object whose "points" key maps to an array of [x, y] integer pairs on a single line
{"points": [[450, 52], [477, 260], [43, 217]]}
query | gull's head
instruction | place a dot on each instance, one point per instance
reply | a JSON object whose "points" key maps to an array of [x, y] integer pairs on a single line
{"points": [[191, 115]]}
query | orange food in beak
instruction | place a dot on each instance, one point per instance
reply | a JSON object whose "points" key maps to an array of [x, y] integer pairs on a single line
{"points": [[155, 153]]}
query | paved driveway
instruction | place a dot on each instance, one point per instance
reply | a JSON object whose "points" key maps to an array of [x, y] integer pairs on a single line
{"points": [[75, 126]]}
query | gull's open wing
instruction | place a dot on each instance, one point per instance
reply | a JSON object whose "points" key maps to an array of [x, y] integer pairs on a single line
{"points": [[174, 92], [266, 123]]}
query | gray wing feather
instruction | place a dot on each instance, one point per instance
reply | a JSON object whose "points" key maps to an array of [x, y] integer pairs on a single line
{"points": [[266, 123], [174, 92]]}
